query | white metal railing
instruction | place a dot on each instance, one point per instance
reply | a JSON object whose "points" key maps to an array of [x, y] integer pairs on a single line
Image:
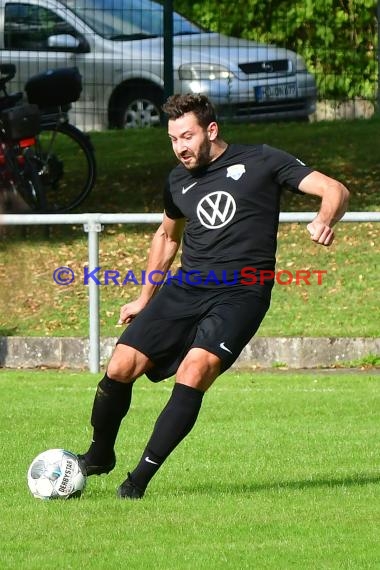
{"points": [[92, 224]]}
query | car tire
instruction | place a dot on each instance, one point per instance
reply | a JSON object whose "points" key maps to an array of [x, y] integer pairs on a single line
{"points": [[139, 108]]}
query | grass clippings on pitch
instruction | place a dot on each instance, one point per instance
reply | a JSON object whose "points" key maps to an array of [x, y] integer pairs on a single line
{"points": [[281, 471], [345, 303]]}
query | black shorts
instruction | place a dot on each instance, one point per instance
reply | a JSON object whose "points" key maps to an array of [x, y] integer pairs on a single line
{"points": [[178, 318]]}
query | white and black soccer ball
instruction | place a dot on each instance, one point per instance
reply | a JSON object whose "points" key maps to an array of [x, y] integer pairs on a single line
{"points": [[56, 474]]}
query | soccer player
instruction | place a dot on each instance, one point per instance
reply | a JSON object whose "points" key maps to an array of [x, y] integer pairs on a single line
{"points": [[222, 203]]}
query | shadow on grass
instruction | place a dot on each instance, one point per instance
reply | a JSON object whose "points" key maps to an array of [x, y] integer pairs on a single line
{"points": [[357, 480]]}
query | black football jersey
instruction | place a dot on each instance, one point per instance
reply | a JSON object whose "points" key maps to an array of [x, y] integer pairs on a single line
{"points": [[232, 209]]}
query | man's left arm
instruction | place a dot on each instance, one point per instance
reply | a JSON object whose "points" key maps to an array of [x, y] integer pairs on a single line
{"points": [[334, 201]]}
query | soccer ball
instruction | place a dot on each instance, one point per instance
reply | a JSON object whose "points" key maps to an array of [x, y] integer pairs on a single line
{"points": [[56, 474]]}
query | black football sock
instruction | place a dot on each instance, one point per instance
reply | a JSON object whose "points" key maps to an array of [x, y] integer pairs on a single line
{"points": [[111, 404], [173, 424]]}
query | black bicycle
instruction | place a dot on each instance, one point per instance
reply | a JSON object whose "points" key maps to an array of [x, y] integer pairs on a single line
{"points": [[47, 165]]}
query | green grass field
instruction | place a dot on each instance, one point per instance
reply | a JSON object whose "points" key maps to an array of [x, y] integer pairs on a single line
{"points": [[281, 471], [131, 177]]}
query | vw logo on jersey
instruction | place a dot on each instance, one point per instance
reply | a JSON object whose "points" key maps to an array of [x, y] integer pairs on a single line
{"points": [[216, 209]]}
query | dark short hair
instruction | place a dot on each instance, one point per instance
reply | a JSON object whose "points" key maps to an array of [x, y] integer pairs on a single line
{"points": [[177, 105]]}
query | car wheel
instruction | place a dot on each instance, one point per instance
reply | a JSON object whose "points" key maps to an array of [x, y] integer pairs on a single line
{"points": [[139, 109]]}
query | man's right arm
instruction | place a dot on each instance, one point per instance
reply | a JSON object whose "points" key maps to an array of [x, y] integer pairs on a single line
{"points": [[164, 247]]}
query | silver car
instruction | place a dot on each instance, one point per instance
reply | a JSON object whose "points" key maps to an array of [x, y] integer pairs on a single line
{"points": [[118, 47]]}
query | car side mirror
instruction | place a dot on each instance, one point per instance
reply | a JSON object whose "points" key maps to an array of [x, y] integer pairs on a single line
{"points": [[67, 42]]}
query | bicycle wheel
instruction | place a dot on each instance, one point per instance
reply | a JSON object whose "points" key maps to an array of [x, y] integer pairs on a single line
{"points": [[66, 167]]}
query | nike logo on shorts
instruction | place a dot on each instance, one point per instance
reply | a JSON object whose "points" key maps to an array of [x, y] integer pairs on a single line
{"points": [[184, 190], [151, 461], [223, 346]]}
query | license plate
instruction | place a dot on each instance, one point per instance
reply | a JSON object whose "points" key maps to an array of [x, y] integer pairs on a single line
{"points": [[272, 92]]}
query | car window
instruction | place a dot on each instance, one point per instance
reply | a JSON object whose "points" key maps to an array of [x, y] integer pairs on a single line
{"points": [[28, 27], [128, 19]]}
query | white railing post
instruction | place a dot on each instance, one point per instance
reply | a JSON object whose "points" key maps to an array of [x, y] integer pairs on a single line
{"points": [[93, 229]]}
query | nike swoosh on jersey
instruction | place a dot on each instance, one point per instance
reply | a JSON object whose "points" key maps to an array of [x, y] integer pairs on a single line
{"points": [[223, 346], [184, 190]]}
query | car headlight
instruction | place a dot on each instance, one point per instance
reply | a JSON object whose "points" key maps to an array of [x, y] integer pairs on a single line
{"points": [[300, 63], [199, 71]]}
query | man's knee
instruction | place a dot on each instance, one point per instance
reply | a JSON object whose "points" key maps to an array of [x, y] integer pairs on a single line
{"points": [[199, 369], [127, 364]]}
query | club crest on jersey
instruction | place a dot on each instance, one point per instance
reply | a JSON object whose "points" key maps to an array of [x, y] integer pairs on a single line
{"points": [[216, 209], [235, 171]]}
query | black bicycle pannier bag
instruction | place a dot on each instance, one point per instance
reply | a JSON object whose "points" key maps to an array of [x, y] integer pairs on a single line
{"points": [[20, 122], [54, 87]]}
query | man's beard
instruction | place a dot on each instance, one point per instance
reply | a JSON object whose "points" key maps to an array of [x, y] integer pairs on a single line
{"points": [[203, 158]]}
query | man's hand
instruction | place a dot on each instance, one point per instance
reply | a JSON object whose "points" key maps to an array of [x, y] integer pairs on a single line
{"points": [[334, 201], [129, 311], [321, 233]]}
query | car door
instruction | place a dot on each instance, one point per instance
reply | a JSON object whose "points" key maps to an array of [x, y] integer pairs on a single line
{"points": [[28, 31]]}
